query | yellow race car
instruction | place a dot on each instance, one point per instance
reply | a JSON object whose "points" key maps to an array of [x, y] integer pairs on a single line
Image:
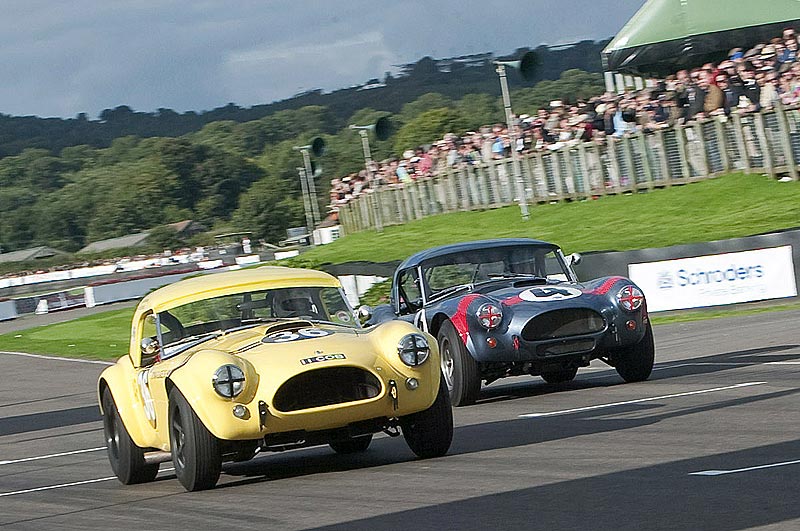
{"points": [[225, 365]]}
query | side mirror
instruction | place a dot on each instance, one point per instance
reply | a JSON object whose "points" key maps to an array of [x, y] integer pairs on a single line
{"points": [[364, 313], [574, 259], [150, 351]]}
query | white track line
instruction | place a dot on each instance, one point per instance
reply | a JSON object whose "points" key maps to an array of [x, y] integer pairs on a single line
{"points": [[737, 470], [55, 358], [637, 401], [63, 485], [26, 459]]}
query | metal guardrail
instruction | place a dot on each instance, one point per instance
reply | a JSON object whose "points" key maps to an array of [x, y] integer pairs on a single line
{"points": [[766, 142]]}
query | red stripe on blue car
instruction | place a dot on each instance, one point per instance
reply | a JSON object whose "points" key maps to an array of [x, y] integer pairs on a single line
{"points": [[605, 287], [460, 318]]}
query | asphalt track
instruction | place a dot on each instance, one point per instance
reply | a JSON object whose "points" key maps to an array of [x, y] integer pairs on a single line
{"points": [[709, 443]]}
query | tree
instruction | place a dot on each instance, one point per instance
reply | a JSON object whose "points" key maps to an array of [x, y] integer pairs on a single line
{"points": [[429, 127], [479, 109], [426, 102], [164, 237], [267, 210]]}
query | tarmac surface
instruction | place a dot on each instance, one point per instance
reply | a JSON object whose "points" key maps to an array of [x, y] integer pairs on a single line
{"points": [[709, 442]]}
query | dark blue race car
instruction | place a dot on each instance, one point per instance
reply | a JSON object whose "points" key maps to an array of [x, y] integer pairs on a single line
{"points": [[510, 307]]}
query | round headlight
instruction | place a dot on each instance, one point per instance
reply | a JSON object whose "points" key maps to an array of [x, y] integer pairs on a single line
{"points": [[413, 349], [228, 381], [489, 316], [630, 298]]}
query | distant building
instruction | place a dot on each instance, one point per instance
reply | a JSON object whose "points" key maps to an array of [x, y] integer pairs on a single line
{"points": [[131, 240], [29, 255], [184, 229]]}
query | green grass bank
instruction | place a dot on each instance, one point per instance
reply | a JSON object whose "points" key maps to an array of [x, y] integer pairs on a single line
{"points": [[726, 207]]}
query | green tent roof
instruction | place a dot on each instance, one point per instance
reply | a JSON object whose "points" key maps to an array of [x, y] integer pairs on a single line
{"points": [[670, 30]]}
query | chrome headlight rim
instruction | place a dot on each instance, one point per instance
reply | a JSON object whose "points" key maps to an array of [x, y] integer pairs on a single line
{"points": [[228, 381], [630, 298], [489, 315], [413, 349]]}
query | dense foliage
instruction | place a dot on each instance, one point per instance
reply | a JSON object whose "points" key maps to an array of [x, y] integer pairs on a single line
{"points": [[226, 175]]}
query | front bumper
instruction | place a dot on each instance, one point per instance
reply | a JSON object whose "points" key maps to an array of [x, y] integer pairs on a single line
{"points": [[511, 345], [263, 418]]}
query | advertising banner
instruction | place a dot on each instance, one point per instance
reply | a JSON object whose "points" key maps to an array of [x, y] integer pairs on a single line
{"points": [[716, 279]]}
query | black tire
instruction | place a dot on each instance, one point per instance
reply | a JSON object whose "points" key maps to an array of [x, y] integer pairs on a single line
{"points": [[635, 363], [430, 432], [354, 445], [127, 459], [195, 451], [459, 369], [560, 376]]}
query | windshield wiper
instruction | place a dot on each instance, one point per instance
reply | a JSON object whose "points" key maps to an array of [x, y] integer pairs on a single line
{"points": [[515, 275], [199, 338], [449, 291]]}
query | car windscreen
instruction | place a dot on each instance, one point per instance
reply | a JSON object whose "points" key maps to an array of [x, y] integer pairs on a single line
{"points": [[252, 307], [480, 265]]}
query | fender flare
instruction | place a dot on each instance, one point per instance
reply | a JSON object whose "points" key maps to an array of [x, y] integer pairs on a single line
{"points": [[120, 380]]}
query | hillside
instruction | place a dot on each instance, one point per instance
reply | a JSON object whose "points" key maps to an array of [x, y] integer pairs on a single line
{"points": [[452, 77]]}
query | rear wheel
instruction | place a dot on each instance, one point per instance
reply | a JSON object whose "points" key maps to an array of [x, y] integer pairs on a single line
{"points": [[195, 451], [459, 369], [127, 459], [560, 376], [635, 363], [353, 445], [430, 432]]}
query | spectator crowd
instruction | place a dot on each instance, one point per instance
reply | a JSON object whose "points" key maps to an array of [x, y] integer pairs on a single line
{"points": [[747, 81]]}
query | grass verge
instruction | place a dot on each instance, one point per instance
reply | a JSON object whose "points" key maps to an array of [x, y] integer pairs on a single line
{"points": [[731, 206], [102, 336]]}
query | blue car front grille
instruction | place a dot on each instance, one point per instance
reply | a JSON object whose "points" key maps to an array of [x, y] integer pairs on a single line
{"points": [[563, 323]]}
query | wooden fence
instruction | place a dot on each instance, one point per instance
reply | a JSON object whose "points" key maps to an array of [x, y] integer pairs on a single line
{"points": [[766, 143]]}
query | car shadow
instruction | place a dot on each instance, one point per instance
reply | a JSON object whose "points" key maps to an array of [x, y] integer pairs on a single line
{"points": [[714, 363], [659, 497], [474, 438]]}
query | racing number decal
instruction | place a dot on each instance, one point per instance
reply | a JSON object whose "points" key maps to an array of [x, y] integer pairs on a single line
{"points": [[286, 336], [549, 293]]}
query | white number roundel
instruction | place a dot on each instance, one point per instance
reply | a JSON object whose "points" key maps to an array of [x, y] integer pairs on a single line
{"points": [[286, 336], [549, 293]]}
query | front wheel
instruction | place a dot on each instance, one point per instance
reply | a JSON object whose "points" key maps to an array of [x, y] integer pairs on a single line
{"points": [[195, 451], [354, 445], [126, 458], [459, 369], [635, 363], [430, 432]]}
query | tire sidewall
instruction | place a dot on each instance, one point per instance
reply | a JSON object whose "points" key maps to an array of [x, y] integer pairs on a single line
{"points": [[126, 458], [192, 470], [466, 382], [429, 433], [635, 363]]}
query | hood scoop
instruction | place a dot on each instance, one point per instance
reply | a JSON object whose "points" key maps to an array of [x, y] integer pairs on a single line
{"points": [[292, 325], [529, 282]]}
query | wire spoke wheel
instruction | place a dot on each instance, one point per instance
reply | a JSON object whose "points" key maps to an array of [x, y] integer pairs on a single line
{"points": [[447, 363]]}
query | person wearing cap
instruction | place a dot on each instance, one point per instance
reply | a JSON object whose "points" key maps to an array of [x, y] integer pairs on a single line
{"points": [[768, 57]]}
